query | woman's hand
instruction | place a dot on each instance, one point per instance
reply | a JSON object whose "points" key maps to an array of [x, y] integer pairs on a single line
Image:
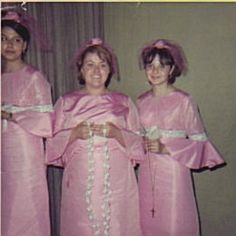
{"points": [[108, 130], [6, 116], [82, 131], [154, 146]]}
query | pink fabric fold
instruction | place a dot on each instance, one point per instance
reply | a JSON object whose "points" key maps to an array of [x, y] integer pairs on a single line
{"points": [[35, 123], [133, 143], [132, 140], [56, 147]]}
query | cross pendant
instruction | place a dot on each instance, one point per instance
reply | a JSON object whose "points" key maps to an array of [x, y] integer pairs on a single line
{"points": [[153, 212]]}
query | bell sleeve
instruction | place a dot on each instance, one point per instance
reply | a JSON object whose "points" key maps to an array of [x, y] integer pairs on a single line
{"points": [[133, 141], [57, 145], [195, 151]]}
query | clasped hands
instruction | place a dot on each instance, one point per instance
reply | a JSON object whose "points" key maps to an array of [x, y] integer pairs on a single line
{"points": [[85, 130]]}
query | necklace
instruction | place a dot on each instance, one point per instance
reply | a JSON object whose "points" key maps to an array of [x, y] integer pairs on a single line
{"points": [[152, 169]]}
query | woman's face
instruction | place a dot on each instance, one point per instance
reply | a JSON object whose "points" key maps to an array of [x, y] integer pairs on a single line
{"points": [[95, 71], [158, 74], [12, 45]]}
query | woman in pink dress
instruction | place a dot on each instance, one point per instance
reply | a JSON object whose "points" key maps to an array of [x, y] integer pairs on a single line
{"points": [[25, 114], [175, 143], [95, 140]]}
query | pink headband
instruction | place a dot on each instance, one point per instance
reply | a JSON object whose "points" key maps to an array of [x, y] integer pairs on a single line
{"points": [[160, 44], [174, 49], [98, 42], [17, 17], [31, 25], [12, 15]]}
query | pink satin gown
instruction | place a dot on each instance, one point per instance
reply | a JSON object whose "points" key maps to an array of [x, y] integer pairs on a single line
{"points": [[25, 210], [167, 199], [99, 189]]}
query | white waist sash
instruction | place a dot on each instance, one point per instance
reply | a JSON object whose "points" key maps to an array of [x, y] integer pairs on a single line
{"points": [[154, 133], [38, 108], [14, 109]]}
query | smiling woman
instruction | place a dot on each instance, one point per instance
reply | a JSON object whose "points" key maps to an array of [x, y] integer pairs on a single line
{"points": [[95, 71], [13, 45], [175, 142], [15, 39], [25, 114], [95, 141], [157, 72], [96, 58]]}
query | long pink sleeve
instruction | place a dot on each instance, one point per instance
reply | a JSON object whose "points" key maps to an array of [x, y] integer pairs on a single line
{"points": [[36, 123], [56, 146], [133, 141], [196, 151]]}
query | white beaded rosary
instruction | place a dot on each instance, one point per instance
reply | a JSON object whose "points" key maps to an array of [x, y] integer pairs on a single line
{"points": [[90, 184]]}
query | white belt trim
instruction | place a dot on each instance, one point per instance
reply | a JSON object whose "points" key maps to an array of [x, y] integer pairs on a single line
{"points": [[198, 137], [38, 108], [154, 133]]}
